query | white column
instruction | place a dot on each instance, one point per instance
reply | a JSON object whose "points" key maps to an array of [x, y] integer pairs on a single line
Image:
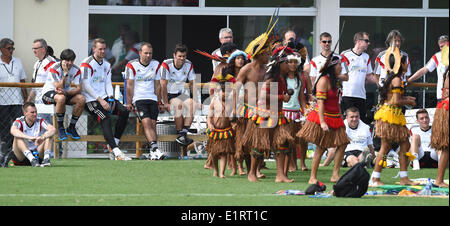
{"points": [[7, 19], [327, 20], [79, 28]]}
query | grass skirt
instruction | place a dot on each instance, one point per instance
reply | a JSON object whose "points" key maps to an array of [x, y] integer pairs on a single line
{"points": [[313, 133], [440, 129], [241, 124], [220, 142], [391, 132], [293, 128]]}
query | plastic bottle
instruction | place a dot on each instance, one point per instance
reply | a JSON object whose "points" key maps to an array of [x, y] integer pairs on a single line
{"points": [[426, 191], [36, 154]]}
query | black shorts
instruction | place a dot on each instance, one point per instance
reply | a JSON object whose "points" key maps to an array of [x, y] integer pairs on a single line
{"points": [[426, 161], [356, 153], [147, 109], [180, 96], [49, 98], [24, 162]]}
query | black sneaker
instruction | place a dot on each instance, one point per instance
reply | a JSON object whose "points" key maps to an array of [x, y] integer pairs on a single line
{"points": [[62, 134], [183, 140], [71, 131]]}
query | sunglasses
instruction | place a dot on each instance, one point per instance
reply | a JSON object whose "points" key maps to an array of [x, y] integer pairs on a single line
{"points": [[366, 40], [324, 42], [36, 48]]}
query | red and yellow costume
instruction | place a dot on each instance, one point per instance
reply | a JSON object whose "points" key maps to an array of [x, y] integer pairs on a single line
{"points": [[312, 131]]}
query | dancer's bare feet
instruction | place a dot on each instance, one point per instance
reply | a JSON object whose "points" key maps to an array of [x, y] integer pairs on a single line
{"points": [[312, 181], [334, 179], [283, 179], [441, 184], [252, 178], [406, 181]]}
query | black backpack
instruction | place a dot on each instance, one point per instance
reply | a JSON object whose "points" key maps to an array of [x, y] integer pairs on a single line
{"points": [[354, 183]]}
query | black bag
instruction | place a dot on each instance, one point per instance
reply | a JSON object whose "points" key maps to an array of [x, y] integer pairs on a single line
{"points": [[354, 183]]}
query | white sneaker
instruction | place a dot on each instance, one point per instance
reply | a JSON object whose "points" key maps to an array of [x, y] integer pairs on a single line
{"points": [[119, 155], [157, 155]]}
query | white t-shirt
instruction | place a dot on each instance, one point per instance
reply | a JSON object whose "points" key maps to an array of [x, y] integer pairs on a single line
{"points": [[360, 137], [144, 79], [358, 67], [436, 63], [56, 74], [176, 77], [318, 62], [38, 128], [96, 79], [380, 68], [12, 72], [425, 138]]}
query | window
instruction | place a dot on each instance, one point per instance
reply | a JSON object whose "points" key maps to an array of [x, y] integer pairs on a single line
{"points": [[262, 3], [381, 4], [145, 2]]}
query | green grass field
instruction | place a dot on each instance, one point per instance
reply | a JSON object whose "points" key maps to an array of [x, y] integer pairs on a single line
{"points": [[100, 182]]}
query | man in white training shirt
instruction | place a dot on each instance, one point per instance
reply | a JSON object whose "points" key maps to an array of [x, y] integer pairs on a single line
{"points": [[359, 71], [174, 74], [394, 38], [225, 36], [40, 69], [100, 103], [57, 91], [426, 157], [360, 148], [143, 94], [318, 61], [32, 138], [435, 63]]}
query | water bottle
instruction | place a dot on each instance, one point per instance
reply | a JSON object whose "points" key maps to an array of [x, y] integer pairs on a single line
{"points": [[428, 187], [111, 104], [36, 154]]}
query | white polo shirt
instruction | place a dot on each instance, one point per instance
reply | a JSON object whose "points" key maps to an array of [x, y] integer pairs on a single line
{"points": [[40, 72], [144, 79], [436, 63], [358, 67], [360, 137], [176, 77], [12, 72]]}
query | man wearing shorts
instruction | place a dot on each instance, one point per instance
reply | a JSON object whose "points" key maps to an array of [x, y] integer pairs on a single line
{"points": [[174, 73], [32, 138], [143, 94], [57, 91], [360, 148], [426, 157]]}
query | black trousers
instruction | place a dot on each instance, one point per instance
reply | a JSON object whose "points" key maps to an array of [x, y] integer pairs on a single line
{"points": [[359, 103]]}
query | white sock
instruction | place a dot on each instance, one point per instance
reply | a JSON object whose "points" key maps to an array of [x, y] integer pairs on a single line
{"points": [[376, 174], [116, 151], [403, 174], [116, 140], [47, 154], [29, 155]]}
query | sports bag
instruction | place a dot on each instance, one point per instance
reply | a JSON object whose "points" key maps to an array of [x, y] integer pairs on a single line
{"points": [[353, 183]]}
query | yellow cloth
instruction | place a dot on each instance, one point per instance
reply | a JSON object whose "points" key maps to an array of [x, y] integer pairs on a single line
{"points": [[390, 114]]}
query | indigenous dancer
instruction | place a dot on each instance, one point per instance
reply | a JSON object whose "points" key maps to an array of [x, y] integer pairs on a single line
{"points": [[324, 125], [390, 122], [295, 108], [268, 128], [249, 76], [220, 134], [439, 130]]}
